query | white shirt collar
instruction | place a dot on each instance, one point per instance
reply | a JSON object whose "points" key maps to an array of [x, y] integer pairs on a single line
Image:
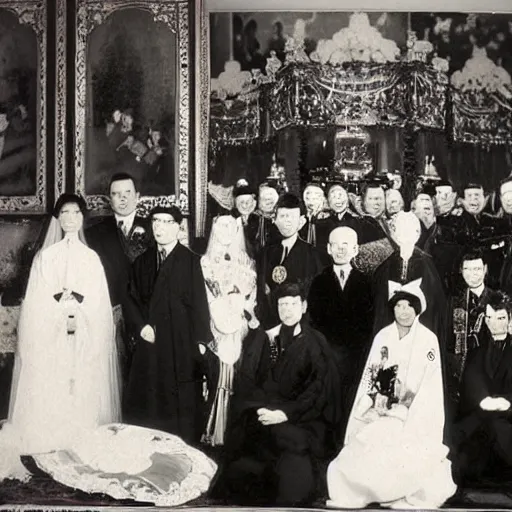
{"points": [[272, 333], [127, 220], [478, 291], [290, 242], [168, 248]]}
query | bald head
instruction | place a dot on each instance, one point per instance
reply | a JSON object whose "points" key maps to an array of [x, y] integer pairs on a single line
{"points": [[343, 245]]}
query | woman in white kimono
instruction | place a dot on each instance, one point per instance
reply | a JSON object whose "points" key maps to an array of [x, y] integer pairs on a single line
{"points": [[65, 379], [393, 450], [230, 277]]}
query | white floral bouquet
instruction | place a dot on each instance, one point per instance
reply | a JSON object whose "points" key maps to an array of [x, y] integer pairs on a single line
{"points": [[232, 82], [481, 74], [359, 42]]}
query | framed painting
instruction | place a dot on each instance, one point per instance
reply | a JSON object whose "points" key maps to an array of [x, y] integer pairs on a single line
{"points": [[23, 107], [132, 103]]}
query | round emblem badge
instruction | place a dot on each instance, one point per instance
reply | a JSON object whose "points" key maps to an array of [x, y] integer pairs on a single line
{"points": [[279, 274], [431, 356]]}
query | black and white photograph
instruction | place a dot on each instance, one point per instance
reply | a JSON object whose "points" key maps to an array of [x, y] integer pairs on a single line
{"points": [[255, 257]]}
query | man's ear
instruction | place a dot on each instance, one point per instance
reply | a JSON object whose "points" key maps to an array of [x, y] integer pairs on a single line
{"points": [[486, 199], [137, 196], [356, 251], [304, 306], [302, 221]]}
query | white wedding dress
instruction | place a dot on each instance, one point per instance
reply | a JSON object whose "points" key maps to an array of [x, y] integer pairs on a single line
{"points": [[63, 385]]}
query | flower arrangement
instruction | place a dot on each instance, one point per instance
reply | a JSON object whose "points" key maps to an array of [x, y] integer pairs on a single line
{"points": [[232, 82], [481, 74], [359, 42]]}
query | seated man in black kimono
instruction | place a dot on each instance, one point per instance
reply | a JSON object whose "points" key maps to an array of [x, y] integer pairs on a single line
{"points": [[482, 441], [284, 408]]}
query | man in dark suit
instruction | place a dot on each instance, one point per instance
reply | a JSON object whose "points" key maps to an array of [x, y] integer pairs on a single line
{"points": [[291, 260], [119, 239], [341, 308], [167, 303]]}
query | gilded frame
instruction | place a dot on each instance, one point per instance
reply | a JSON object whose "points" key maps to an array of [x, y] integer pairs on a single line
{"points": [[175, 14], [34, 14]]}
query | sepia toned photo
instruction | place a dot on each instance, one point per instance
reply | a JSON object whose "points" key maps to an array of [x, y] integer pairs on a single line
{"points": [[265, 261]]}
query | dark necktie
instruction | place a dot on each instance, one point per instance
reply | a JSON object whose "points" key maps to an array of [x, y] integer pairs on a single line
{"points": [[342, 278], [161, 257], [120, 225], [285, 253]]}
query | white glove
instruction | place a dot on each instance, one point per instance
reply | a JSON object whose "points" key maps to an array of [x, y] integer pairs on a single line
{"points": [[202, 349], [148, 334], [495, 404], [268, 417]]}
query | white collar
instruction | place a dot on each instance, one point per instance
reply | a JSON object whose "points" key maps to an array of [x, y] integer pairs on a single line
{"points": [[272, 333], [128, 220], [478, 291], [168, 248], [290, 242], [347, 267]]}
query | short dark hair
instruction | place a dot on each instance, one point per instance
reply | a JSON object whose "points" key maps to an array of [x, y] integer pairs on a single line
{"points": [[368, 186], [476, 253], [469, 186], [291, 289], [413, 300], [499, 300], [122, 176], [65, 199], [172, 210], [290, 201]]}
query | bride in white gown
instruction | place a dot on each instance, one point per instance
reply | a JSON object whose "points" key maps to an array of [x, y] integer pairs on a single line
{"points": [[65, 379]]}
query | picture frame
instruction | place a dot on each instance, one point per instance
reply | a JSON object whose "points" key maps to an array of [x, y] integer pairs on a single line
{"points": [[23, 158], [171, 22]]}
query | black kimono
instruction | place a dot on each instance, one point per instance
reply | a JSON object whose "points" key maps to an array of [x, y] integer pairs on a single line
{"points": [[295, 374], [483, 439], [165, 385], [302, 264]]}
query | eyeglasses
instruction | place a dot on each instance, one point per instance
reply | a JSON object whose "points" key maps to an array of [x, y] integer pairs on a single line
{"points": [[166, 222]]}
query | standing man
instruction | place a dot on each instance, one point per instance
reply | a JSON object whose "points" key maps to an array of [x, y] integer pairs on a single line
{"points": [[168, 306], [338, 296], [118, 240], [291, 260]]}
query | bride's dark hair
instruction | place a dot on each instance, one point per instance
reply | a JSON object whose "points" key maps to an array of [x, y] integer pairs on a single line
{"points": [[69, 199]]}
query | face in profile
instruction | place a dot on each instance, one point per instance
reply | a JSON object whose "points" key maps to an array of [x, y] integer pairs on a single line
{"points": [[404, 313], [288, 221], [71, 218], [497, 321], [473, 272], [165, 228], [374, 202], [225, 230], [123, 197], [338, 199], [506, 200], [290, 310]]}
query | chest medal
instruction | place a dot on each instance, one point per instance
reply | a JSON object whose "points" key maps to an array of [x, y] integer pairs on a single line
{"points": [[279, 274]]}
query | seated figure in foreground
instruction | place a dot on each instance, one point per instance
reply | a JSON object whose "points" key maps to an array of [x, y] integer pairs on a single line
{"points": [[483, 432], [394, 453], [285, 405]]}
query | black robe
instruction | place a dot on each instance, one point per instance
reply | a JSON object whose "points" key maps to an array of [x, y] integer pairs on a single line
{"points": [[420, 265], [117, 252], [302, 264], [482, 440], [301, 379], [165, 385]]}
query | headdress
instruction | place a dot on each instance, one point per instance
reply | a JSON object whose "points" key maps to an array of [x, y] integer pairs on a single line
{"points": [[413, 288]]}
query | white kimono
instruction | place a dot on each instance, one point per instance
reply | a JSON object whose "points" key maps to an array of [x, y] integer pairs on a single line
{"points": [[63, 385], [393, 452]]}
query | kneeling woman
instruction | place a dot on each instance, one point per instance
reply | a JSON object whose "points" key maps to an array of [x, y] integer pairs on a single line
{"points": [[393, 451]]}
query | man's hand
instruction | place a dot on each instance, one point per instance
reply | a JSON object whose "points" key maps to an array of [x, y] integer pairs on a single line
{"points": [[148, 334], [495, 404], [202, 349], [268, 417]]}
